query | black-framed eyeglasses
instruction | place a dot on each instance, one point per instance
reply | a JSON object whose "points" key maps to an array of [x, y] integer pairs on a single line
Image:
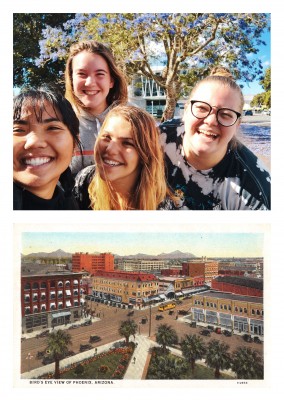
{"points": [[225, 116]]}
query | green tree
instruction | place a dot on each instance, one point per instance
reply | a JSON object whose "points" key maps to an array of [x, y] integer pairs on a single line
{"points": [[166, 336], [57, 344], [27, 32], [166, 367], [264, 99], [128, 328], [187, 45], [247, 363], [217, 356], [193, 348]]}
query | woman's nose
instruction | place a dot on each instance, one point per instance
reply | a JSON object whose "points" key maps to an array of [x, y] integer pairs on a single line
{"points": [[35, 139], [112, 146], [89, 81], [212, 118]]}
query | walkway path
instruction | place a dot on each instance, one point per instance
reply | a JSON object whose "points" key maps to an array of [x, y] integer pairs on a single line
{"points": [[135, 368]]}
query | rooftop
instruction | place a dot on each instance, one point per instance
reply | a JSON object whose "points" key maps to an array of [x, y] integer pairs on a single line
{"points": [[236, 297]]}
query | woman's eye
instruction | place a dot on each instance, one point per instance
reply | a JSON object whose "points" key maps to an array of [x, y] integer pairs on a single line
{"points": [[17, 129], [127, 143]]}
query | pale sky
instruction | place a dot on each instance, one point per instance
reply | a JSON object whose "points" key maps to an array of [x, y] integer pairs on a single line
{"points": [[153, 243]]}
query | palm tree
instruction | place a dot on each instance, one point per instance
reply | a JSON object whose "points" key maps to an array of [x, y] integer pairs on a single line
{"points": [[218, 356], [166, 367], [128, 328], [193, 348], [247, 363], [166, 336], [57, 344]]}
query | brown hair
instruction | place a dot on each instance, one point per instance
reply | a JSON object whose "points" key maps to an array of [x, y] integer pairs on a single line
{"points": [[221, 75], [151, 188], [118, 93]]}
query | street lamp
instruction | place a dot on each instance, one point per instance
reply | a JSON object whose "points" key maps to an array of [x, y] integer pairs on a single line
{"points": [[29, 357]]}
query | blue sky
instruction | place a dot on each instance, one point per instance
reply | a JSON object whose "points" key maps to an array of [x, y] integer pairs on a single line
{"points": [[264, 55], [153, 243]]}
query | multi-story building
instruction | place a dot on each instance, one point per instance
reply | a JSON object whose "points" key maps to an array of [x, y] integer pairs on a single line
{"points": [[49, 297], [230, 311], [239, 285], [141, 265], [92, 262], [124, 288], [206, 268], [180, 286]]}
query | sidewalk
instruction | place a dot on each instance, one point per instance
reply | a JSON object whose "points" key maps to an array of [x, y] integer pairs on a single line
{"points": [[135, 369]]}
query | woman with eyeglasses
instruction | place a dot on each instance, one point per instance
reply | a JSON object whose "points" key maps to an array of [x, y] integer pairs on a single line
{"points": [[205, 163]]}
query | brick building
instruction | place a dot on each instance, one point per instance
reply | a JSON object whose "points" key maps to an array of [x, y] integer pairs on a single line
{"points": [[124, 288], [180, 286], [49, 297], [207, 269], [92, 262], [230, 311], [239, 285]]}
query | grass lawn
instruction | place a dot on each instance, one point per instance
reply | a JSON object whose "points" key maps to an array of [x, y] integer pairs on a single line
{"points": [[109, 365], [200, 372]]}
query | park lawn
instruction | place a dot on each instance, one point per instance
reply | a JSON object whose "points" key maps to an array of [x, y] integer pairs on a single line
{"points": [[115, 368], [200, 372]]}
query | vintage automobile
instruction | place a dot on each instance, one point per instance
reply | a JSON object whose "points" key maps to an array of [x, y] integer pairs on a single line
{"points": [[94, 338], [205, 332]]}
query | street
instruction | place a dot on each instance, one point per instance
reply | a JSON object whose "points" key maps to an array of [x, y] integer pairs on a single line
{"points": [[108, 325]]}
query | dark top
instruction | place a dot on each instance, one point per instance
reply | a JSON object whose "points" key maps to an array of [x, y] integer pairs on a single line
{"points": [[238, 182], [25, 200]]}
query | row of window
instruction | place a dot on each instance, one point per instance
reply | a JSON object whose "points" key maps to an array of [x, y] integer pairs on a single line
{"points": [[229, 308], [104, 281], [52, 295], [43, 285], [52, 307]]}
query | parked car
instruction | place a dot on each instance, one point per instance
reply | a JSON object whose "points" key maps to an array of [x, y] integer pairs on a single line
{"points": [[130, 313], [247, 338], [182, 312], [193, 324], [159, 316], [144, 320], [40, 354], [84, 347], [257, 340], [227, 333], [210, 328], [171, 312], [42, 334], [86, 323], [94, 338], [205, 332], [47, 360], [74, 326], [248, 112]]}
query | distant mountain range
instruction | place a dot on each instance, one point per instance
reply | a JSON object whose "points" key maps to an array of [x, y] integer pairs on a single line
{"points": [[63, 254]]}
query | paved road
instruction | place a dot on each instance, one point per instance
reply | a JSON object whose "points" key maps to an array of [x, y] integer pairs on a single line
{"points": [[264, 120], [107, 326]]}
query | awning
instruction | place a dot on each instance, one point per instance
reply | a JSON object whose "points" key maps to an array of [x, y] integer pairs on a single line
{"points": [[52, 304], [162, 296], [68, 303], [68, 292], [75, 282], [61, 314], [178, 294], [52, 292]]}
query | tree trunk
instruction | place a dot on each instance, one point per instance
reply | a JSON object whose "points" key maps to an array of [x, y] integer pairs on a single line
{"points": [[192, 362], [171, 100], [57, 370], [217, 373]]}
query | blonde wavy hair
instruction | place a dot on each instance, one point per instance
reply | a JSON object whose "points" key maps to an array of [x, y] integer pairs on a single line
{"points": [[151, 187], [117, 94]]}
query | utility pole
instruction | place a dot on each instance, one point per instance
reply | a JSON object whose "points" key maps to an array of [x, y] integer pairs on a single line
{"points": [[150, 319]]}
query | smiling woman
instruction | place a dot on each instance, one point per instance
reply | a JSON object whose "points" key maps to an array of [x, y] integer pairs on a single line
{"points": [[206, 164], [45, 132], [129, 172]]}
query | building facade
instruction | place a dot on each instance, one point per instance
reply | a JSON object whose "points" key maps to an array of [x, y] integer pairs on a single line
{"points": [[243, 314], [92, 262], [124, 288], [207, 269], [239, 285], [51, 299], [141, 265]]}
